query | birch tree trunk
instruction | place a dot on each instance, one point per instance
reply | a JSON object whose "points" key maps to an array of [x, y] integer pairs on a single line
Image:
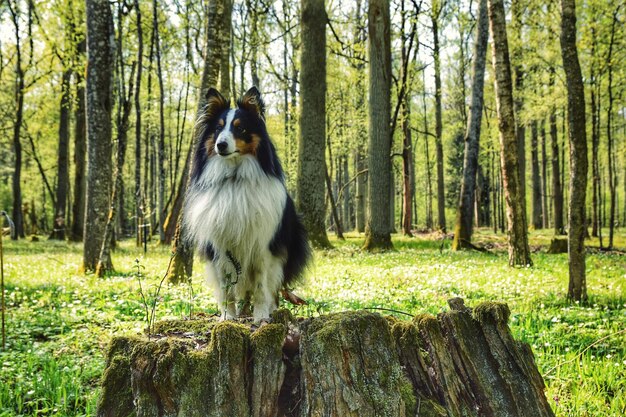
{"points": [[465, 209], [311, 183], [578, 152], [519, 252], [100, 64]]}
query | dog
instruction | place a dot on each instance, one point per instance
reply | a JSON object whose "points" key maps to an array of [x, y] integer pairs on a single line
{"points": [[238, 213]]}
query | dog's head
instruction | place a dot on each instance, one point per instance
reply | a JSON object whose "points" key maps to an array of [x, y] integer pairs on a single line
{"points": [[233, 133]]}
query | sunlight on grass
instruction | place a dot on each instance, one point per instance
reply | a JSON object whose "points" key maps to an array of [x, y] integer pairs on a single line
{"points": [[59, 322]]}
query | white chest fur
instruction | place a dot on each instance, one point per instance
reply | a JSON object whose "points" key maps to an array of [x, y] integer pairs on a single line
{"points": [[235, 206]]}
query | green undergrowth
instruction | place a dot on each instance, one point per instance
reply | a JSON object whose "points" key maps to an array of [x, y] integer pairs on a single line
{"points": [[59, 322]]}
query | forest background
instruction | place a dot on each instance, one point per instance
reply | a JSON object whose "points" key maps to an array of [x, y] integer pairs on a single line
{"points": [[158, 58]]}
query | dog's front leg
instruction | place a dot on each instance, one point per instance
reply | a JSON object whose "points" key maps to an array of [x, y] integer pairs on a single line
{"points": [[221, 291], [268, 282]]}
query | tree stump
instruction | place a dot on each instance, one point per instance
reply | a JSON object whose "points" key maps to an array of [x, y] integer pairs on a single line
{"points": [[557, 246], [461, 363]]}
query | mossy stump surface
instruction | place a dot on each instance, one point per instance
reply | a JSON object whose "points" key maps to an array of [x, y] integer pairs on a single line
{"points": [[461, 363]]}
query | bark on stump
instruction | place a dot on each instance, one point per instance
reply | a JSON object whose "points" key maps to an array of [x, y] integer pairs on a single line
{"points": [[461, 363]]}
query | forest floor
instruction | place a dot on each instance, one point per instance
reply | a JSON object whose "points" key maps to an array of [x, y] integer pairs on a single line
{"points": [[59, 321]]}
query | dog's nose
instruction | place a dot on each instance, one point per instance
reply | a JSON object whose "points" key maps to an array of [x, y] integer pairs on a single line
{"points": [[221, 146]]}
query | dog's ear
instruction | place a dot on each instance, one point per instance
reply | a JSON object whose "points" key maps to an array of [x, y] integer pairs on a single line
{"points": [[252, 102], [216, 104]]}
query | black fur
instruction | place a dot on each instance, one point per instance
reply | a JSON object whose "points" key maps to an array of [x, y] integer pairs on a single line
{"points": [[290, 239]]}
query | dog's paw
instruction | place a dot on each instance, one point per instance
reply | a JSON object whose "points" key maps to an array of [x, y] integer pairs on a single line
{"points": [[262, 321]]}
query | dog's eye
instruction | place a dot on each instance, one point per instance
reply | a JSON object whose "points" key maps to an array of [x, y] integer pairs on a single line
{"points": [[241, 130], [218, 128]]}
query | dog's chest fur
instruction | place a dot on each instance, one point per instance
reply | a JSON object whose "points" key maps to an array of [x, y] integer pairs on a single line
{"points": [[234, 206]]}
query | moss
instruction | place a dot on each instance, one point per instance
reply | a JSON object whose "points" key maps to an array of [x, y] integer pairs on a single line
{"points": [[268, 339], [120, 345], [426, 323], [408, 396], [356, 351], [116, 397], [497, 311], [430, 408], [196, 326], [231, 339], [282, 316]]}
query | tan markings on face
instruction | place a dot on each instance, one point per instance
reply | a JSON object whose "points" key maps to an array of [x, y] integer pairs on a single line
{"points": [[248, 148], [210, 147], [221, 122], [236, 122]]}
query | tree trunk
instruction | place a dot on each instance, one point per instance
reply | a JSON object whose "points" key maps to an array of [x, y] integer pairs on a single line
{"points": [[578, 152], [520, 128], [595, 83], [63, 176], [160, 156], [537, 220], [139, 197], [557, 189], [612, 176], [465, 209], [333, 206], [408, 168], [80, 151], [361, 192], [377, 231], [99, 103], [352, 364], [177, 205], [345, 197], [519, 252], [311, 200], [181, 265], [544, 177], [360, 36], [429, 188], [227, 45], [105, 264], [17, 215], [441, 194]]}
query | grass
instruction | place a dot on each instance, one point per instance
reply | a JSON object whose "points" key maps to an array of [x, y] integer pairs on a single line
{"points": [[59, 321]]}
